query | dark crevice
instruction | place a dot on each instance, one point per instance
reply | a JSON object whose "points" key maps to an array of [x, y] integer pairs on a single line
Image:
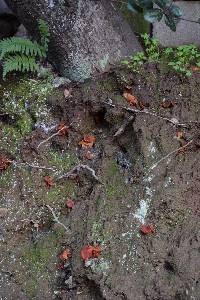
{"points": [[94, 290], [169, 267], [9, 25]]}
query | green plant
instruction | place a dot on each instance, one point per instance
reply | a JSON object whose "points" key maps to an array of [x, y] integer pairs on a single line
{"points": [[19, 54], [151, 54], [151, 47], [135, 61], [183, 57], [156, 10]]}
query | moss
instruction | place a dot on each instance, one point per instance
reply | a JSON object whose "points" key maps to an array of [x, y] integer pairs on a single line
{"points": [[25, 124], [7, 177], [38, 259], [119, 99], [11, 139], [96, 231], [24, 101], [113, 181], [38, 256], [109, 85], [27, 178], [25, 95], [31, 288], [100, 234], [62, 162], [59, 193]]}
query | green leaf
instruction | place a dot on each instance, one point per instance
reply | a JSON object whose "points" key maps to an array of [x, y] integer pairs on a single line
{"points": [[153, 15], [188, 73], [175, 11], [161, 3], [170, 22], [132, 6], [144, 3]]}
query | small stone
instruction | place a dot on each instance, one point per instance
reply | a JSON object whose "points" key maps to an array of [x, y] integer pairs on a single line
{"points": [[69, 282], [175, 121], [3, 212]]}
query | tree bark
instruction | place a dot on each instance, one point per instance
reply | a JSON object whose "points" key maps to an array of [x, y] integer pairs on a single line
{"points": [[86, 36]]}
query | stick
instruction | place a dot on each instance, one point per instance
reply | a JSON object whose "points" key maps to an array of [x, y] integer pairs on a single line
{"points": [[56, 218], [78, 168], [55, 134], [147, 112], [18, 164], [174, 122], [50, 137], [123, 126], [169, 154]]}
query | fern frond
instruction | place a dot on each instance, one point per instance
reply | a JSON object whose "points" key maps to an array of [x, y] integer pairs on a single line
{"points": [[20, 63], [44, 33], [22, 46]]}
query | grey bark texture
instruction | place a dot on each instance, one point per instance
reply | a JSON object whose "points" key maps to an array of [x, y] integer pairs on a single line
{"points": [[87, 36]]}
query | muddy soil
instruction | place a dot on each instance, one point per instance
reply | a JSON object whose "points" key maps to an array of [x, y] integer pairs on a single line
{"points": [[139, 183]]}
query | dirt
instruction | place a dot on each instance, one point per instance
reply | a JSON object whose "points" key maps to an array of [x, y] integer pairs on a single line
{"points": [[138, 185]]}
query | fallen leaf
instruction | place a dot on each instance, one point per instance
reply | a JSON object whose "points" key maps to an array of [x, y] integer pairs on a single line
{"points": [[143, 105], [167, 104], [146, 229], [3, 212], [70, 203], [180, 135], [4, 163], [182, 149], [49, 181], [88, 155], [128, 89], [131, 99], [90, 252], [63, 129], [88, 141], [194, 68], [65, 254], [67, 93], [60, 266]]}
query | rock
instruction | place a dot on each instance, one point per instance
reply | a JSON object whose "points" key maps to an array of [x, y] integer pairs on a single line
{"points": [[86, 39], [58, 81], [4, 8], [186, 33], [22, 32], [3, 212]]}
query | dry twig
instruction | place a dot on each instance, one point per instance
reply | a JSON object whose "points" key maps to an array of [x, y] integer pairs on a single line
{"points": [[56, 219], [169, 154], [18, 164], [78, 169], [147, 112], [52, 136], [123, 126]]}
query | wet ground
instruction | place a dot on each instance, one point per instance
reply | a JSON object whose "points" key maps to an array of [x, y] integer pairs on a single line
{"points": [[140, 180]]}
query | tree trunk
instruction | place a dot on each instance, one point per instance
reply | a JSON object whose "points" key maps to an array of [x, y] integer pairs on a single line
{"points": [[87, 36]]}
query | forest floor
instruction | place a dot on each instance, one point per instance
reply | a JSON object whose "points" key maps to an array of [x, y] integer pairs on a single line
{"points": [[123, 179]]}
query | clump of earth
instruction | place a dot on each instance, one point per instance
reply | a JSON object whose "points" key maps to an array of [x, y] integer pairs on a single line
{"points": [[141, 179]]}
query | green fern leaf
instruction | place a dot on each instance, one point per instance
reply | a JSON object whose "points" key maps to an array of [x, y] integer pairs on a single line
{"points": [[20, 63], [22, 46], [44, 33]]}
